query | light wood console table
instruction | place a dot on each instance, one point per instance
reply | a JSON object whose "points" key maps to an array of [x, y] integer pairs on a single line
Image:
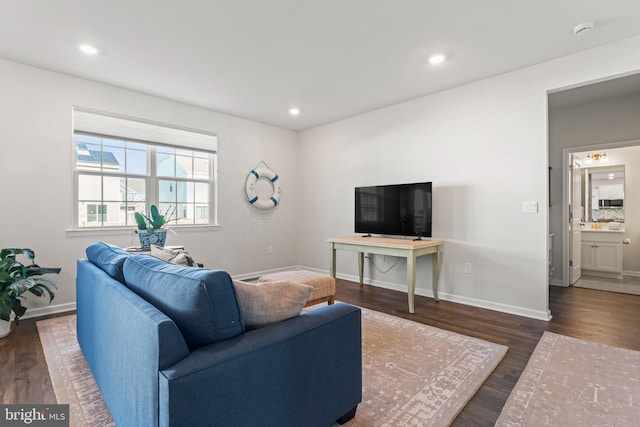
{"points": [[409, 249]]}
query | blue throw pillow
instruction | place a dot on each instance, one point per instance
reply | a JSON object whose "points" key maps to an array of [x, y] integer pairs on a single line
{"points": [[201, 302], [108, 258]]}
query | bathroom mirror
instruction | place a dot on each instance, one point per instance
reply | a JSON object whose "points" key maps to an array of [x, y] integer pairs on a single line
{"points": [[605, 201]]}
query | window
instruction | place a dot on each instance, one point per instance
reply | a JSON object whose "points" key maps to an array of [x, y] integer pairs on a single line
{"points": [[116, 176]]}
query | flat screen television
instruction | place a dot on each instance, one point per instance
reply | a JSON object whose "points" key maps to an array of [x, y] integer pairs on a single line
{"points": [[396, 210]]}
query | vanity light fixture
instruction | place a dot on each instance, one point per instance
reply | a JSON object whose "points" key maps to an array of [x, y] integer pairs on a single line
{"points": [[597, 157]]}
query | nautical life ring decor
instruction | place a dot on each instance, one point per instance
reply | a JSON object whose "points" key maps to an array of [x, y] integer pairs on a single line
{"points": [[263, 171]]}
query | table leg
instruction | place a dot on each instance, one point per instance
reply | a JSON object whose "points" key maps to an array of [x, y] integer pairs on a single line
{"points": [[361, 267], [332, 265], [411, 279], [435, 265]]}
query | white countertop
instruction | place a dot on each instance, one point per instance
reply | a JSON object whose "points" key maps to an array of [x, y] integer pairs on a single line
{"points": [[588, 230]]}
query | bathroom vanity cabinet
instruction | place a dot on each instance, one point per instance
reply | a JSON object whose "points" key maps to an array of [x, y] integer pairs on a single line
{"points": [[602, 253]]}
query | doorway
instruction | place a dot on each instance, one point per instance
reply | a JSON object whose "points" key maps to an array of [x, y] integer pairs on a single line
{"points": [[594, 223], [598, 116]]}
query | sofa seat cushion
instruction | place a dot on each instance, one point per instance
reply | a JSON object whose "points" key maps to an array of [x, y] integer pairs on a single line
{"points": [[201, 302], [109, 259], [262, 304]]}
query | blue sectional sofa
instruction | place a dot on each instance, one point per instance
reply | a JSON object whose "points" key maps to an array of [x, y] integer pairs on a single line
{"points": [[167, 347]]}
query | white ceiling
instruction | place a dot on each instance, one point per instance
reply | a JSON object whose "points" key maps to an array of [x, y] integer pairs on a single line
{"points": [[330, 58]]}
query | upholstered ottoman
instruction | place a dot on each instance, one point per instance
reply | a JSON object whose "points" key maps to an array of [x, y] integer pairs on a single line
{"points": [[324, 287]]}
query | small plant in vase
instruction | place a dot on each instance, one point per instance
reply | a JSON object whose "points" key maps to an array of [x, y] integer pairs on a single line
{"points": [[151, 228]]}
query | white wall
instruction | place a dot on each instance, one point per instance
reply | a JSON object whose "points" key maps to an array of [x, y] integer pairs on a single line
{"points": [[594, 124], [484, 146], [36, 162]]}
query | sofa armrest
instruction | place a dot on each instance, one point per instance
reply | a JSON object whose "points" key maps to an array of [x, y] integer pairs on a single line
{"points": [[126, 341], [303, 371]]}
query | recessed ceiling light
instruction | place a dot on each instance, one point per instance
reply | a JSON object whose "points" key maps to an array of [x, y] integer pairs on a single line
{"points": [[436, 59], [583, 28], [87, 49], [294, 111]]}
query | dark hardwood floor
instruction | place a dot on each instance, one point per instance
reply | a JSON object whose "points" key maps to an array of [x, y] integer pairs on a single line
{"points": [[605, 317], [24, 377]]}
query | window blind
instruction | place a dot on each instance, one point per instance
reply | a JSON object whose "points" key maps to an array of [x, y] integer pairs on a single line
{"points": [[101, 123]]}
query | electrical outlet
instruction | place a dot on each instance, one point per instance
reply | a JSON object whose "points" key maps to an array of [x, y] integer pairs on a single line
{"points": [[467, 267]]}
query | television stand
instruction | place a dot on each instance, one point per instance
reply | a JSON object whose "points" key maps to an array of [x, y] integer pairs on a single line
{"points": [[394, 247]]}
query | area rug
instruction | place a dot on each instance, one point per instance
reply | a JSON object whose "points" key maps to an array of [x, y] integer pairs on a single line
{"points": [[70, 375], [413, 374], [572, 382]]}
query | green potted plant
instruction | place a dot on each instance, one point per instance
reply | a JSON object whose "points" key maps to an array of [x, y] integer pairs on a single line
{"points": [[17, 278], [151, 228]]}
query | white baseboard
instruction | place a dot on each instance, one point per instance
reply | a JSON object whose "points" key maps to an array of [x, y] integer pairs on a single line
{"points": [[504, 308], [556, 282], [631, 273], [603, 274], [50, 309], [257, 274], [490, 305]]}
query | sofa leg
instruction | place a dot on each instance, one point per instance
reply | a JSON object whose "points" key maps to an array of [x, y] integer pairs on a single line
{"points": [[348, 416]]}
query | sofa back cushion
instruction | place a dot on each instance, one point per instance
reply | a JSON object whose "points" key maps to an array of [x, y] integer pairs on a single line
{"points": [[201, 302], [109, 259]]}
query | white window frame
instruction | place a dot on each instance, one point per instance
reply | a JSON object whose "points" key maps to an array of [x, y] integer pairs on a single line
{"points": [[121, 125]]}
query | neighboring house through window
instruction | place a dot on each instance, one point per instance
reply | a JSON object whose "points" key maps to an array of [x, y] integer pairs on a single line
{"points": [[122, 166], [96, 213]]}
